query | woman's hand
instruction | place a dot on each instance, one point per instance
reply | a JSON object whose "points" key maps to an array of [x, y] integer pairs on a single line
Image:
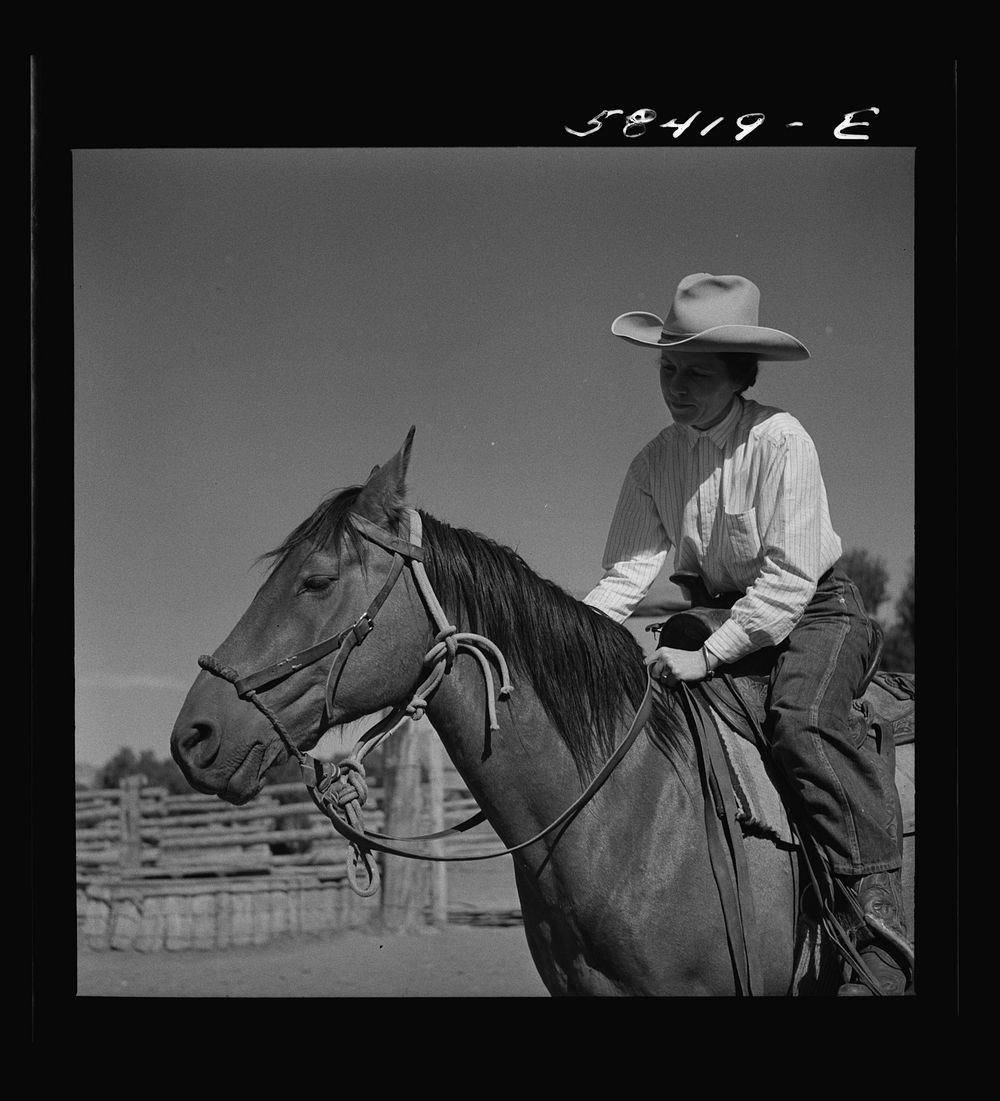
{"points": [[673, 666]]}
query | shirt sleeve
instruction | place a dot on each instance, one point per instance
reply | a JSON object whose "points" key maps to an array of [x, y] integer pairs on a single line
{"points": [[797, 546], [636, 548]]}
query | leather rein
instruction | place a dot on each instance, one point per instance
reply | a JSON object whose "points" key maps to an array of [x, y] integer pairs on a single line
{"points": [[340, 790]]}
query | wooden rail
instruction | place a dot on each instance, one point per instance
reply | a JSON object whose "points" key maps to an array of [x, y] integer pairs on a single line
{"points": [[134, 827], [160, 871]]}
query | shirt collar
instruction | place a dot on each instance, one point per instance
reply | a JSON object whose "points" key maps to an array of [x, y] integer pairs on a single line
{"points": [[719, 433]]}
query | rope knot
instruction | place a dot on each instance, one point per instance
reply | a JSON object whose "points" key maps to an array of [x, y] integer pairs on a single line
{"points": [[352, 786], [416, 708], [447, 636]]}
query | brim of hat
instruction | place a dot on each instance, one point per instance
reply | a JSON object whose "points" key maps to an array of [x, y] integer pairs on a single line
{"points": [[646, 330]]}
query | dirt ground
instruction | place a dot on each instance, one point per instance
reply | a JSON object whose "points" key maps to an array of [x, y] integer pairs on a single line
{"points": [[482, 952]]}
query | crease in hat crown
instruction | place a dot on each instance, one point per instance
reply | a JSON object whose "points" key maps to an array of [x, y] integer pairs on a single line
{"points": [[711, 313]]}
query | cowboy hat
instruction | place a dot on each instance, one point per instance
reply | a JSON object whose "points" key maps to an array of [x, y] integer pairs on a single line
{"points": [[711, 313]]}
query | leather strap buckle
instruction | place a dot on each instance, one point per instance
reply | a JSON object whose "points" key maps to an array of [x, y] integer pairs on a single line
{"points": [[362, 629]]}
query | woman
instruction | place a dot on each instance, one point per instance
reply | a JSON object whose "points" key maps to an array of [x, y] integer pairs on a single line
{"points": [[735, 489]]}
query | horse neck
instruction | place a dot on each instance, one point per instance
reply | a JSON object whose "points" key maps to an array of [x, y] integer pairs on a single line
{"points": [[499, 766], [523, 775]]}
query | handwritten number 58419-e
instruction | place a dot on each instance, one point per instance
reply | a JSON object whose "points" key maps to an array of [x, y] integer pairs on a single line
{"points": [[636, 123]]}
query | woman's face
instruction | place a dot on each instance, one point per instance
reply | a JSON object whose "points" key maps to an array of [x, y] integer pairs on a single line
{"points": [[697, 387]]}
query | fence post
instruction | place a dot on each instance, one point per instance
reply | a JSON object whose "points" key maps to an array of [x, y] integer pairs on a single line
{"points": [[435, 789], [404, 889], [130, 821]]}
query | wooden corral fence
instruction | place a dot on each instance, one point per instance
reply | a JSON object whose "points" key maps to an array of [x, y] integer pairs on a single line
{"points": [[158, 871]]}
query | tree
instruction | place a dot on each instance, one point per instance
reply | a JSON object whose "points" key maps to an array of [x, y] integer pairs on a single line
{"points": [[899, 650], [869, 574], [158, 773]]}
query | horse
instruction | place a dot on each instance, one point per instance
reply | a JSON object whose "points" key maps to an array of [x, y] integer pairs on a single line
{"points": [[623, 898]]}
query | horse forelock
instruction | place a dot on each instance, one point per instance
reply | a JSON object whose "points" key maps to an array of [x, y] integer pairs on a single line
{"points": [[327, 526]]}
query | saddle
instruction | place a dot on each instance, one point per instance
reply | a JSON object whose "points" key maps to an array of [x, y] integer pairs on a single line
{"points": [[883, 705], [884, 710], [751, 676]]}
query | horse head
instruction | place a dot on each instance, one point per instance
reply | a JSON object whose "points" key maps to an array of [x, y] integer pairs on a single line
{"points": [[288, 649]]}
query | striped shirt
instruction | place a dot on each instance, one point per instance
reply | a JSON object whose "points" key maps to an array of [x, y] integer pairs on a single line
{"points": [[744, 506]]}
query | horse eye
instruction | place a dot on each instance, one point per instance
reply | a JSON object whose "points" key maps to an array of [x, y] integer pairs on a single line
{"points": [[318, 582]]}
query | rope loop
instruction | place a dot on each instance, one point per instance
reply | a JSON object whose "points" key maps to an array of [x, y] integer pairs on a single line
{"points": [[362, 859]]}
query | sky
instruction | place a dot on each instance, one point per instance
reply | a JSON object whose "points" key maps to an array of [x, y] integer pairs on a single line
{"points": [[254, 328]]}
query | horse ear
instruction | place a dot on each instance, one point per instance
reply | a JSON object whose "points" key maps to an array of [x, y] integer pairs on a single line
{"points": [[384, 495]]}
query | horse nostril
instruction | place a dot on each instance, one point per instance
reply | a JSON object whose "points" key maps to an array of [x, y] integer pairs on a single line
{"points": [[196, 744]]}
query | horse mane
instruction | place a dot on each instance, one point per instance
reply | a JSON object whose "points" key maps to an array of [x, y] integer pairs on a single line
{"points": [[586, 670]]}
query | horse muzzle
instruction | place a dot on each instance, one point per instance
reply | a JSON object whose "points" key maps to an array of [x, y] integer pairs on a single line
{"points": [[218, 761]]}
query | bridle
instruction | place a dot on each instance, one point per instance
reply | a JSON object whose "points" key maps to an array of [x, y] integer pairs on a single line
{"points": [[404, 552], [340, 790]]}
